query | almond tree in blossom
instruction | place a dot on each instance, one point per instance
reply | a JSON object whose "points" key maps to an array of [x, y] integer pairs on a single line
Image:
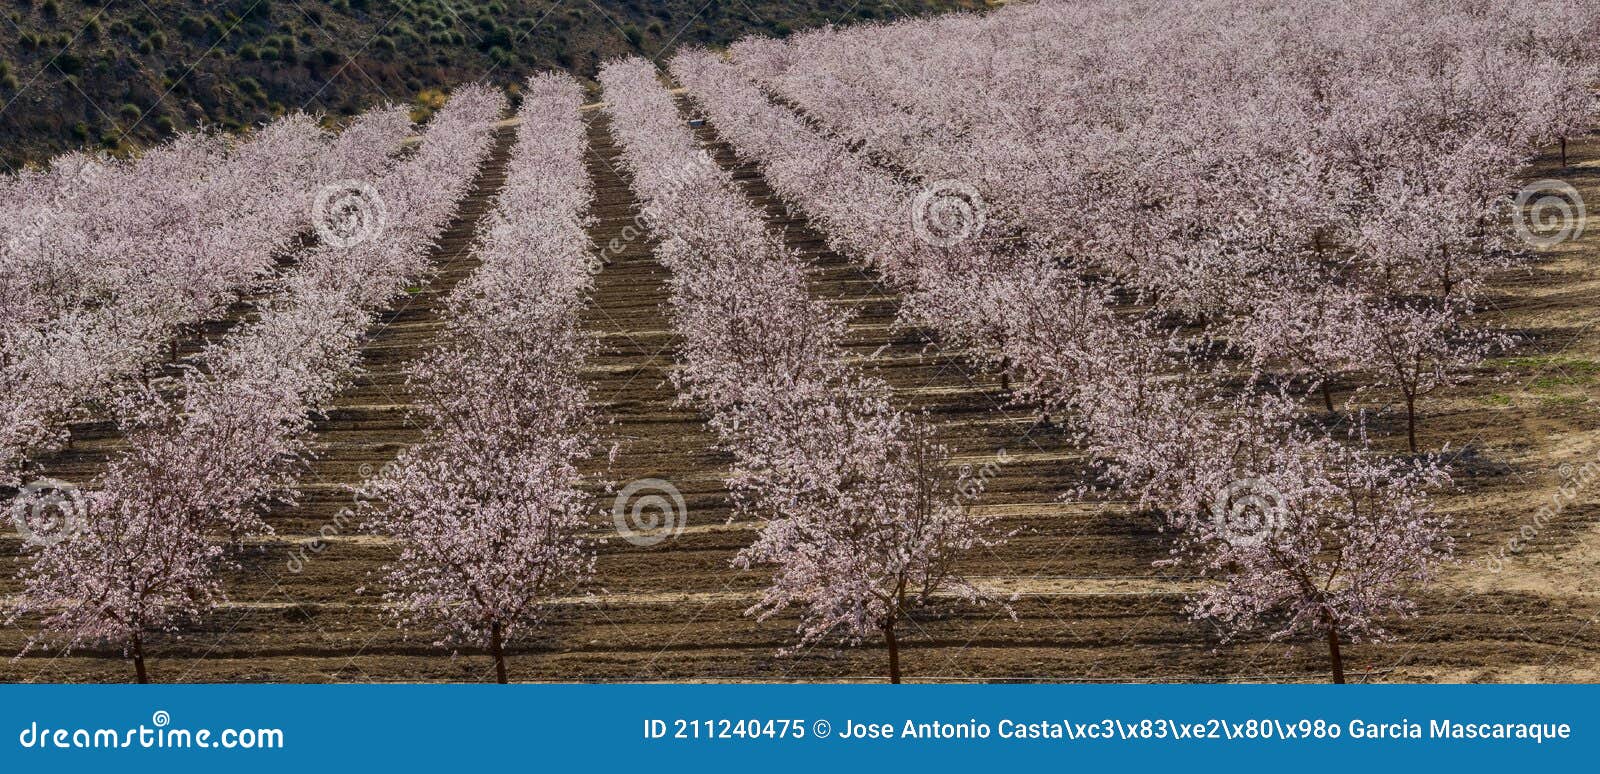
{"points": [[132, 566], [1326, 545], [486, 513], [858, 561], [1416, 348]]}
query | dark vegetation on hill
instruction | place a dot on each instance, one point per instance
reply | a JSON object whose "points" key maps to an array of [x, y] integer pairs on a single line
{"points": [[121, 75]]}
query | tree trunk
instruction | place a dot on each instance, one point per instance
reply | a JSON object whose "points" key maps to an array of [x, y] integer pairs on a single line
{"points": [[1333, 654], [1563, 152], [498, 650], [1411, 420], [138, 660], [1327, 396], [894, 652]]}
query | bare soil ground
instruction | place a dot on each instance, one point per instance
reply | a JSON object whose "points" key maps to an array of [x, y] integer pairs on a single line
{"points": [[1090, 604]]}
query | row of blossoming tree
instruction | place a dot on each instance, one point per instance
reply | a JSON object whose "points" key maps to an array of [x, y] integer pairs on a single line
{"points": [[1351, 530], [104, 261], [487, 517], [208, 450], [1322, 188], [1327, 211], [1175, 236], [858, 505]]}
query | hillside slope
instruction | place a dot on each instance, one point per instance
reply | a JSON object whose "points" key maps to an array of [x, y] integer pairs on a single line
{"points": [[120, 75]]}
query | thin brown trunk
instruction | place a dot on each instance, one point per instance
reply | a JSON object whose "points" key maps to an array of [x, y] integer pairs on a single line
{"points": [[894, 652], [1411, 420], [498, 650], [138, 660], [1563, 153], [1327, 396], [1333, 654]]}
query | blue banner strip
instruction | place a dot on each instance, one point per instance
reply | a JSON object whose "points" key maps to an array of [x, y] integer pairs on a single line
{"points": [[775, 728]]}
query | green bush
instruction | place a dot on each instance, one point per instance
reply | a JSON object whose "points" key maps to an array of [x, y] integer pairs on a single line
{"points": [[252, 88]]}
